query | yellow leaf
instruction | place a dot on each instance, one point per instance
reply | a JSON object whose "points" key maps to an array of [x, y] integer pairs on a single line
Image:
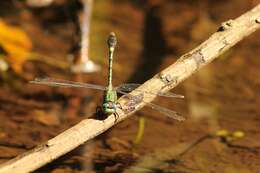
{"points": [[238, 134], [222, 133], [16, 44]]}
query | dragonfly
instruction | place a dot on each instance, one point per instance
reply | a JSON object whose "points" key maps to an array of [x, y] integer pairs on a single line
{"points": [[110, 99]]}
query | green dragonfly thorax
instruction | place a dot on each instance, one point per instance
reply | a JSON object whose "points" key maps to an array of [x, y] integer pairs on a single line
{"points": [[109, 105]]}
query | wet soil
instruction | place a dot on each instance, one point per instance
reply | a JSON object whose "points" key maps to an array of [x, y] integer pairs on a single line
{"points": [[151, 34]]}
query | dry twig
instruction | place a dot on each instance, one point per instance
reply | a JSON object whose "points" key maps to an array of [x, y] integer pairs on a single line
{"points": [[228, 35]]}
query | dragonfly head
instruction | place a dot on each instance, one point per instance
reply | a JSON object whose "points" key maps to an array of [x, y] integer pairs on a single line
{"points": [[109, 107]]}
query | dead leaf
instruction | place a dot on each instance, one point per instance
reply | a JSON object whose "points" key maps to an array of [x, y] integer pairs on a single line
{"points": [[3, 64], [2, 134], [17, 45]]}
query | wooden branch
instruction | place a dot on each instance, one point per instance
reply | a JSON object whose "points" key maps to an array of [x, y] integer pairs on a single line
{"points": [[228, 35]]}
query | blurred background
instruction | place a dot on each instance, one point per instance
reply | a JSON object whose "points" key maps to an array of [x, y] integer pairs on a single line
{"points": [[66, 39]]}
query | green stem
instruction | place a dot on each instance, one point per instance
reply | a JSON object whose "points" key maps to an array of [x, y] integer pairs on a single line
{"points": [[140, 131]]}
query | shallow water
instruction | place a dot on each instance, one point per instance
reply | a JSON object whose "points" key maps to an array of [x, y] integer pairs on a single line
{"points": [[151, 36]]}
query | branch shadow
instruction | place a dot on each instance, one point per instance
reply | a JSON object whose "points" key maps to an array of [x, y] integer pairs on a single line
{"points": [[154, 46]]}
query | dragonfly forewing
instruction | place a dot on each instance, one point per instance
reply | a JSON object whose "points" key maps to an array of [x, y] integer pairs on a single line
{"points": [[66, 84], [128, 87]]}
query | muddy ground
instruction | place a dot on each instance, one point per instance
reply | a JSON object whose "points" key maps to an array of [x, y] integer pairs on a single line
{"points": [[151, 35]]}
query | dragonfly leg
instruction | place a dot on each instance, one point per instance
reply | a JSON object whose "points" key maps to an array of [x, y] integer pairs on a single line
{"points": [[116, 115], [118, 105]]}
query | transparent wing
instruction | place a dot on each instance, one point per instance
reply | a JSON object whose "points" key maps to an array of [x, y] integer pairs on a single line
{"points": [[135, 100], [128, 87], [167, 112], [65, 83]]}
